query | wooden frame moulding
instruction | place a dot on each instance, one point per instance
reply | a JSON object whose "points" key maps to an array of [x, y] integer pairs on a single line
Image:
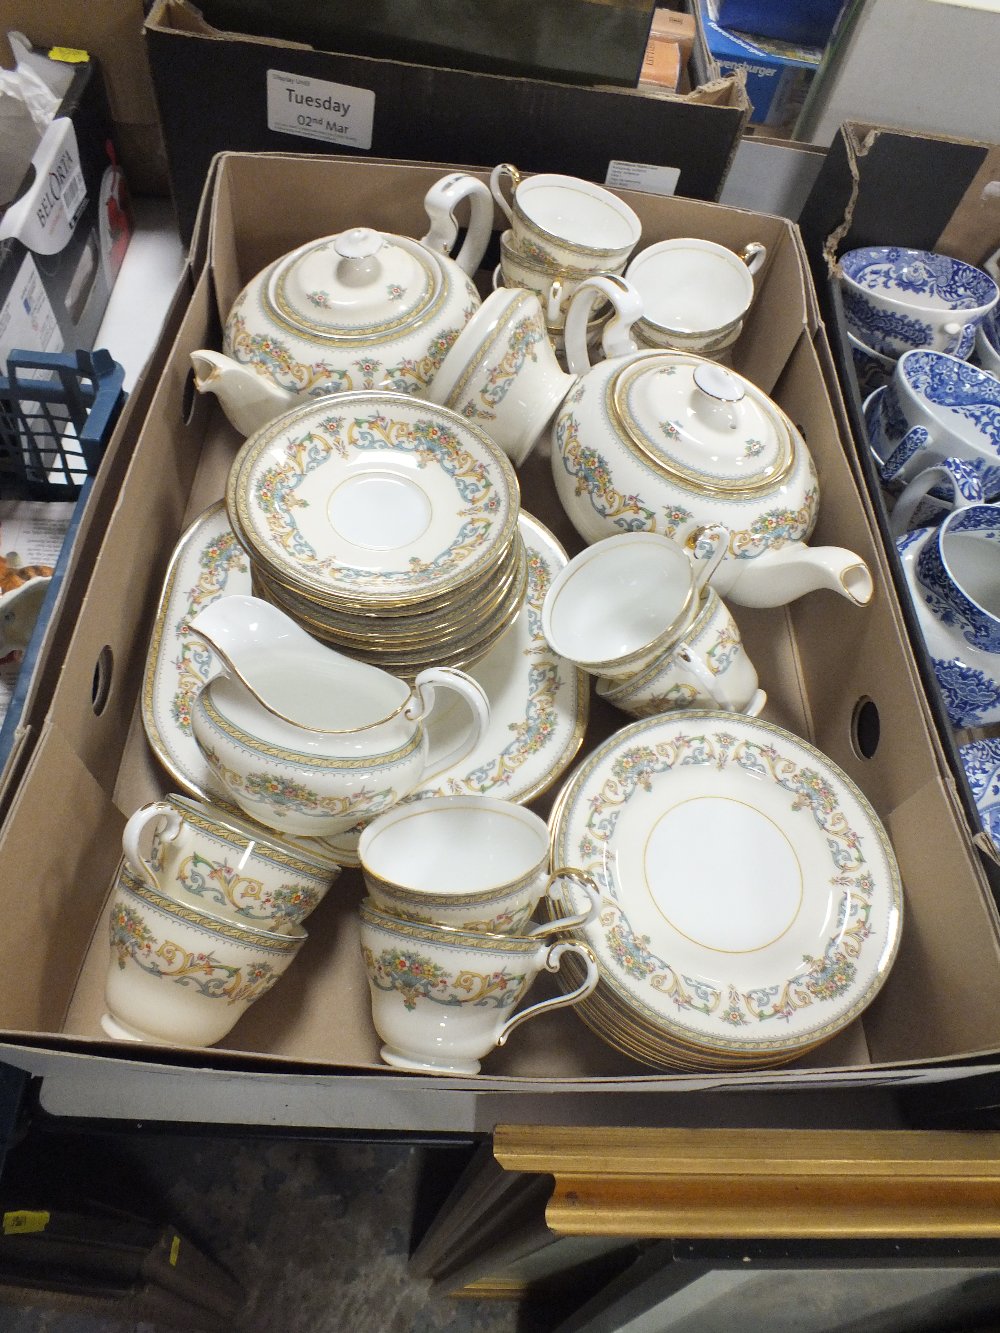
{"points": [[762, 1183]]}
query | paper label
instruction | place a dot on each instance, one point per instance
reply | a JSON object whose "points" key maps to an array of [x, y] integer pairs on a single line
{"points": [[317, 109], [642, 176], [24, 1221]]}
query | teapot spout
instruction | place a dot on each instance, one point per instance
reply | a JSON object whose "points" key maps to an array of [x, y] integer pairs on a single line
{"points": [[782, 575], [248, 399]]}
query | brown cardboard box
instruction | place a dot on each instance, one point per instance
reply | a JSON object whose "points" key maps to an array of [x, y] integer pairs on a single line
{"points": [[307, 1053], [219, 91]]}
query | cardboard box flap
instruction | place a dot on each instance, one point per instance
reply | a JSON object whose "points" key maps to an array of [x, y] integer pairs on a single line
{"points": [[902, 188]]}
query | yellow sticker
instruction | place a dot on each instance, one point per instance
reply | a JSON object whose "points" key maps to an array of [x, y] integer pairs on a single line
{"points": [[175, 1249], [69, 55], [24, 1221]]}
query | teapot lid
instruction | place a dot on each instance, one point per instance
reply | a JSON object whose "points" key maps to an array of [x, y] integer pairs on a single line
{"points": [[700, 423], [358, 285]]}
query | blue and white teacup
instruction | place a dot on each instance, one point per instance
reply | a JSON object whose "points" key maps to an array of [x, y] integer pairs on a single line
{"points": [[981, 761], [947, 485], [953, 573], [987, 353], [935, 407], [896, 299], [872, 369]]}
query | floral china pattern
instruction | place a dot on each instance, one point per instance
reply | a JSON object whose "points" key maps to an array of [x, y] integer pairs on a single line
{"points": [[525, 336], [217, 563], [827, 976], [966, 390], [416, 977], [891, 269], [981, 761], [222, 883], [276, 492], [273, 357], [630, 513], [134, 940]]}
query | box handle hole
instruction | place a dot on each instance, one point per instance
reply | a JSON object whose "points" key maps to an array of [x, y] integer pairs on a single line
{"points": [[101, 686], [865, 728]]}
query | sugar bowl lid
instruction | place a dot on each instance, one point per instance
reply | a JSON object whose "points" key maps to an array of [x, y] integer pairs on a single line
{"points": [[358, 284], [701, 424]]}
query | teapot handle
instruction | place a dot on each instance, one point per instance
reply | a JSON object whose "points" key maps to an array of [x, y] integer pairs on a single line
{"points": [[440, 202], [448, 678], [617, 339]]}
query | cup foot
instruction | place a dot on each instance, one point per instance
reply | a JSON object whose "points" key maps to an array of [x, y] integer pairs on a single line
{"points": [[400, 1060], [121, 1031]]}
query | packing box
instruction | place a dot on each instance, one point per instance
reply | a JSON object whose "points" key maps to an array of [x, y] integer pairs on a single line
{"points": [[882, 186], [306, 1053], [806, 22], [225, 90], [64, 232], [778, 73]]}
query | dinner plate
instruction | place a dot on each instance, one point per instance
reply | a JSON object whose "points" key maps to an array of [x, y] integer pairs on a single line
{"points": [[371, 498], [751, 900], [538, 701]]}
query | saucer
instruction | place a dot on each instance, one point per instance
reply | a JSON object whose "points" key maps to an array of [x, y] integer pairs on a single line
{"points": [[752, 904], [538, 701], [373, 499]]}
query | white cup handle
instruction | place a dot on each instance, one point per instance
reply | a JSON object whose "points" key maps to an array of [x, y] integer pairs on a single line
{"points": [[551, 963], [961, 478], [440, 202], [169, 824], [497, 176], [710, 549], [616, 339], [587, 886], [448, 678], [753, 255]]}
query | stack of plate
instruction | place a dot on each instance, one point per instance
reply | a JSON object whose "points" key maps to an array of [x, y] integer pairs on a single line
{"points": [[385, 526], [751, 900]]}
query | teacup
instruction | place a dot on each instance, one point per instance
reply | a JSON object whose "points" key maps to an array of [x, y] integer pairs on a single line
{"points": [[565, 222], [935, 406], [948, 484], [954, 576], [213, 859], [694, 292], [988, 343], [503, 373], [623, 601], [553, 286], [442, 998], [707, 667], [470, 862], [896, 299], [181, 975]]}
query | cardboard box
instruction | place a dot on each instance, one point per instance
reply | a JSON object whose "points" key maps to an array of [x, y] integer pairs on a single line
{"points": [[231, 91], [925, 65], [307, 1053], [64, 233], [778, 74], [882, 186]]}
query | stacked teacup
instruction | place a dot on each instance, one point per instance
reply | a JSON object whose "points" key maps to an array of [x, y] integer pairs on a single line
{"points": [[206, 915], [562, 231], [898, 299], [446, 932], [695, 294], [638, 612]]}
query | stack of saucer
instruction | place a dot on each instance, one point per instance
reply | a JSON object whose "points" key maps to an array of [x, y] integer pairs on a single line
{"points": [[751, 902], [385, 526]]}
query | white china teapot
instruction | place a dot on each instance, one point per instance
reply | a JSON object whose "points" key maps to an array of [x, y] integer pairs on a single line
{"points": [[667, 441], [359, 310], [304, 739]]}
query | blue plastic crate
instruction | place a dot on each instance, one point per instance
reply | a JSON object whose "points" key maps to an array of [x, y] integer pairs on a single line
{"points": [[57, 412]]}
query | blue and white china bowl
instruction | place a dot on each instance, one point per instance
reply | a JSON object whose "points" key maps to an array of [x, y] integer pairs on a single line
{"points": [[981, 761], [896, 299], [935, 407], [872, 369], [987, 353], [953, 575]]}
